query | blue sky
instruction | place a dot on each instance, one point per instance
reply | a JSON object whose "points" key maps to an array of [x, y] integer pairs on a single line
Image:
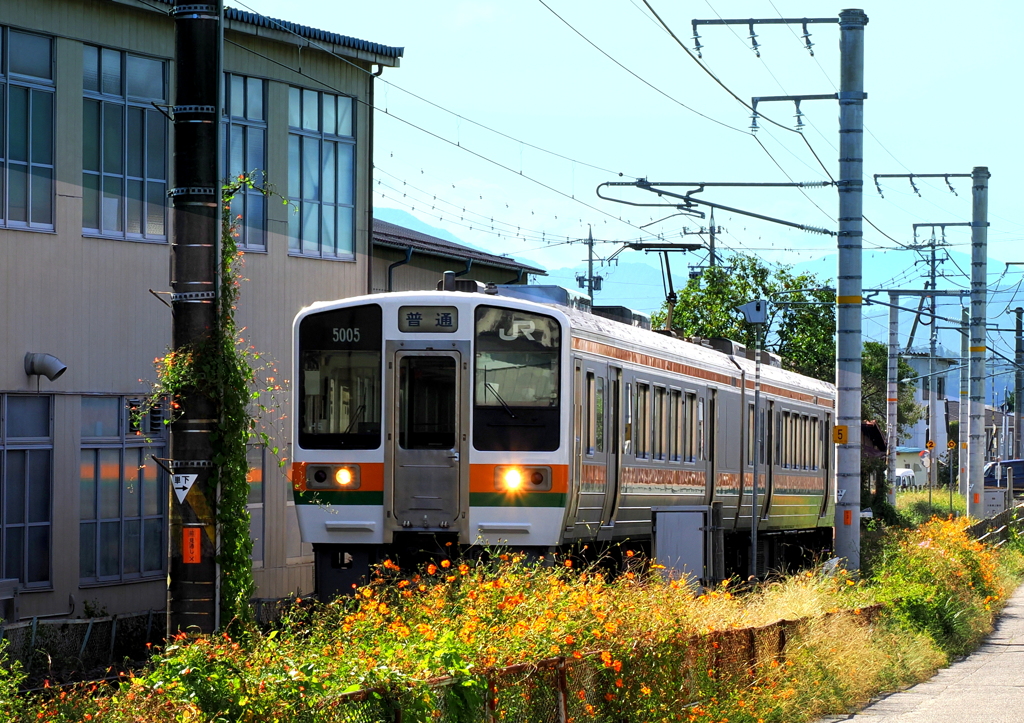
{"points": [[942, 97]]}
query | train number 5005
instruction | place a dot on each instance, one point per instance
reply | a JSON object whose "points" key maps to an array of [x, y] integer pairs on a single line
{"points": [[351, 334]]}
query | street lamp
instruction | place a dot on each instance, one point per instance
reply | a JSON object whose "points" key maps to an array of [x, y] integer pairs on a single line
{"points": [[755, 312]]}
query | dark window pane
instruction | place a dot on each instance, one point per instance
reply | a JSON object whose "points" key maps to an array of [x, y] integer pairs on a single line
{"points": [[113, 139], [110, 484], [256, 532], [145, 77], [87, 549], [39, 485], [110, 72], [110, 548], [134, 207], [28, 416], [38, 554], [311, 169], [344, 116], [87, 485], [294, 108], [42, 127], [293, 227], [330, 114], [237, 96], [135, 142], [14, 492], [31, 55], [112, 199], [132, 546], [100, 416], [329, 172], [91, 68], [153, 555], [132, 491], [345, 182], [236, 152], [310, 228], [255, 159], [14, 552], [17, 198], [19, 125], [294, 158], [91, 136], [310, 110], [156, 205], [156, 146], [327, 231], [254, 221], [42, 195], [254, 111], [90, 201], [346, 231]]}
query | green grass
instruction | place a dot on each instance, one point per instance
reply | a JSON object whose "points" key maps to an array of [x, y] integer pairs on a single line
{"points": [[917, 507]]}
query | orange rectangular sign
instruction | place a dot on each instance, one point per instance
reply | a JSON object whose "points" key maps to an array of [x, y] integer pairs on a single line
{"points": [[847, 517], [191, 545]]}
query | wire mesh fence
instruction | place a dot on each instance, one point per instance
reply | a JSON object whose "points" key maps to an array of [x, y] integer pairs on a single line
{"points": [[66, 649]]}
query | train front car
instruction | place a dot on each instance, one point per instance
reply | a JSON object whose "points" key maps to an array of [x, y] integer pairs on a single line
{"points": [[427, 419]]}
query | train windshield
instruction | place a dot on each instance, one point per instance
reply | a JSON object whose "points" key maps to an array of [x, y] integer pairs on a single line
{"points": [[516, 381], [340, 379]]}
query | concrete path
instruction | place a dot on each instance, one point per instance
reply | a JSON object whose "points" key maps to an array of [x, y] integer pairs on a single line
{"points": [[985, 687]]}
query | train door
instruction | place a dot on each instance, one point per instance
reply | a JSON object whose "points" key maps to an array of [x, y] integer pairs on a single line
{"points": [[593, 464], [710, 426], [425, 440], [766, 459], [613, 449]]}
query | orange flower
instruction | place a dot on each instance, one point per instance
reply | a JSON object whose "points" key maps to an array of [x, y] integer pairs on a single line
{"points": [[446, 563], [431, 569]]}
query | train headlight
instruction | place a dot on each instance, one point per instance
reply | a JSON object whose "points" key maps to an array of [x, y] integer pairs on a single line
{"points": [[332, 477], [517, 478]]}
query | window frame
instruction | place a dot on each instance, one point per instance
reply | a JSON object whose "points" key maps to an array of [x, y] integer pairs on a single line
{"points": [[25, 444], [298, 138], [126, 103], [128, 440], [246, 124], [32, 85]]}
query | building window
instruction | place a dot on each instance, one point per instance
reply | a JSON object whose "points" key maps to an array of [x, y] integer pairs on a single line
{"points": [[26, 130], [26, 484], [124, 146], [122, 507], [256, 456], [245, 151], [321, 174]]}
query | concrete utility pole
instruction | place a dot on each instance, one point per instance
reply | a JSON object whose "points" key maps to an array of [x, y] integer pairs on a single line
{"points": [[192, 592], [848, 298], [979, 311], [933, 382], [1018, 384], [965, 402], [892, 396]]}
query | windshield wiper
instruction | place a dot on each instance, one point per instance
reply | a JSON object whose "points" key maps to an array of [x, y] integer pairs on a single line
{"points": [[355, 418], [498, 397]]}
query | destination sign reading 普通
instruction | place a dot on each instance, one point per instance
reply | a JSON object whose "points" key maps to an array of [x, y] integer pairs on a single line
{"points": [[428, 319]]}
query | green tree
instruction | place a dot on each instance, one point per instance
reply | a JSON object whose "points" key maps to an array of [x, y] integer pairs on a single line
{"points": [[801, 316], [874, 390]]}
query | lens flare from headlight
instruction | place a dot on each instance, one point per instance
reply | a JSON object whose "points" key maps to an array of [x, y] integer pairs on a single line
{"points": [[513, 479], [343, 476]]}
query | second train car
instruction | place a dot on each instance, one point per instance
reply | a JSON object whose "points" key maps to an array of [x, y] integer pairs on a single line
{"points": [[473, 417]]}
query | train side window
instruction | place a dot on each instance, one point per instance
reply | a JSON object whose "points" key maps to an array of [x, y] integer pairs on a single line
{"points": [[815, 444], [700, 428], [660, 426], [786, 452], [590, 414], [643, 417], [675, 420], [805, 437], [750, 435], [761, 445], [690, 436], [627, 426], [599, 415]]}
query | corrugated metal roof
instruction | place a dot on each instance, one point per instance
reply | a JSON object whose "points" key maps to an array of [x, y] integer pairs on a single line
{"points": [[399, 237], [306, 31]]}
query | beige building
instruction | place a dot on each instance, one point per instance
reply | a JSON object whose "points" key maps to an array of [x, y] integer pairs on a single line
{"points": [[85, 168]]}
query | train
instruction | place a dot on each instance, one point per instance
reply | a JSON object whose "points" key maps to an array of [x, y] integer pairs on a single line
{"points": [[475, 417]]}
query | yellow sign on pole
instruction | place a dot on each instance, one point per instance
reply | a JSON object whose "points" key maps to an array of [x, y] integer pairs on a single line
{"points": [[930, 444], [840, 434], [951, 444]]}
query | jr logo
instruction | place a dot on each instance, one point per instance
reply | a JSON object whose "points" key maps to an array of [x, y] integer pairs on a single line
{"points": [[525, 328]]}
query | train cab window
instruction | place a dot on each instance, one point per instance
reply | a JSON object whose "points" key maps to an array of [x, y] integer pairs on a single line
{"points": [[516, 380], [340, 379], [660, 424], [642, 434], [675, 421]]}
